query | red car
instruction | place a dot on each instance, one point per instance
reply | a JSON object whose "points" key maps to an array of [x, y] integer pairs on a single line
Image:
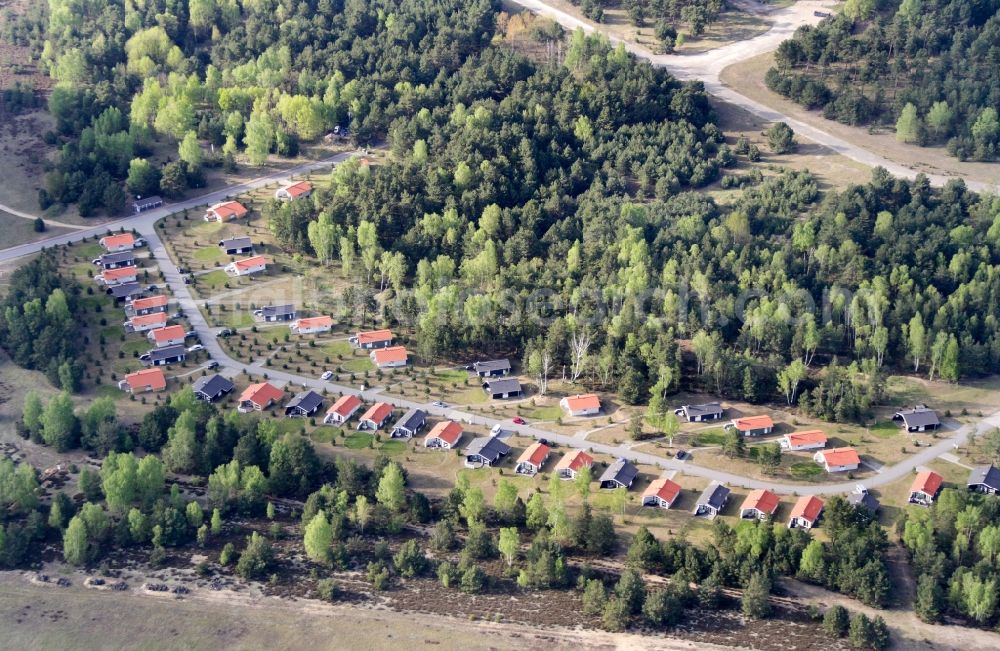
{"points": [[518, 420]]}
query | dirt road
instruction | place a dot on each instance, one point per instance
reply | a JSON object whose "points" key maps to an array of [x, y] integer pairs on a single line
{"points": [[707, 67]]}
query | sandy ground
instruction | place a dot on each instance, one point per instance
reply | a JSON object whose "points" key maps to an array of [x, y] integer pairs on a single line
{"points": [[48, 617], [747, 78]]}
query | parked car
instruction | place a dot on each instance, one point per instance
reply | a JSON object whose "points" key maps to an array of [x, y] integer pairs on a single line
{"points": [[195, 348], [326, 375], [517, 420], [188, 280], [139, 242], [681, 455], [438, 403], [190, 333], [227, 332], [212, 364]]}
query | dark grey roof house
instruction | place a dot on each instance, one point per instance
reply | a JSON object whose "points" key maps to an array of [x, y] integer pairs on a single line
{"points": [[167, 355], [485, 451], [409, 424], [712, 500], [139, 205], [620, 474], [508, 387], [212, 387], [985, 479], [276, 313], [116, 260], [125, 290], [304, 404], [918, 419], [492, 368], [863, 499], [699, 413], [236, 245]]}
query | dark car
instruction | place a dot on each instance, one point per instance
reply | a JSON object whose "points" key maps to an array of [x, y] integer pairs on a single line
{"points": [[681, 455], [212, 364], [226, 332]]}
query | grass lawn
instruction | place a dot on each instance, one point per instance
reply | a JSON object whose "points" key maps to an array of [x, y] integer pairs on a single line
{"points": [[212, 281], [357, 365], [358, 440], [239, 320], [709, 438], [136, 346], [884, 429], [552, 412], [471, 396], [324, 433], [393, 446], [450, 376], [209, 254], [806, 470], [335, 348]]}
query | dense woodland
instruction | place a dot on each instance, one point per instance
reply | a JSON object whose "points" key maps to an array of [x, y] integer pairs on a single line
{"points": [[39, 327], [954, 547], [929, 67]]}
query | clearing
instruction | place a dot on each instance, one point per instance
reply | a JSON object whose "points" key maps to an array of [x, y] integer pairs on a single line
{"points": [[747, 78]]}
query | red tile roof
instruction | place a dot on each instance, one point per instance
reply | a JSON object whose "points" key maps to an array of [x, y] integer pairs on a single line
{"points": [[247, 263], [344, 405], [374, 336], [753, 422], [575, 461], [796, 439], [115, 241], [298, 189], [389, 355], [145, 303], [663, 488], [152, 377], [378, 412], [121, 272], [228, 210], [763, 501], [148, 319], [313, 322], [447, 430], [584, 401], [840, 457], [261, 394], [535, 454], [168, 333], [808, 507], [927, 482]]}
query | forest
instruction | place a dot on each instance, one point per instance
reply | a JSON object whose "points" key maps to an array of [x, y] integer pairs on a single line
{"points": [[517, 187], [954, 547], [927, 67]]}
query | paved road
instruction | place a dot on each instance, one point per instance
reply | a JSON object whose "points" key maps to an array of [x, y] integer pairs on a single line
{"points": [[232, 367], [144, 225], [145, 221], [707, 66]]}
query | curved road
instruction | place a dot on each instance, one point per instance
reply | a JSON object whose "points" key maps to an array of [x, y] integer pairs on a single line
{"points": [[144, 225], [707, 66]]}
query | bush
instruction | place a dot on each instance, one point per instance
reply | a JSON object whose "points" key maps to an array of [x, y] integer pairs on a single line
{"points": [[327, 589]]}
